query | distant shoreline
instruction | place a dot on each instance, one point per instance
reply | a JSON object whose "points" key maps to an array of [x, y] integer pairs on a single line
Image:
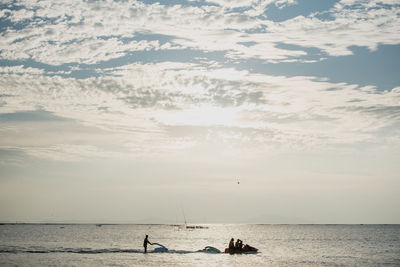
{"points": [[177, 225]]}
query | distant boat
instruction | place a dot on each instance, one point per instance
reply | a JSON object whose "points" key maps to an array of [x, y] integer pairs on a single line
{"points": [[192, 227]]}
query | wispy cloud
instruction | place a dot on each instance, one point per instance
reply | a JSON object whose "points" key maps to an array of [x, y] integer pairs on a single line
{"points": [[237, 105]]}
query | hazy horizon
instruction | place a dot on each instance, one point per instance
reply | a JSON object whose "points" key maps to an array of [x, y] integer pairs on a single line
{"points": [[261, 111]]}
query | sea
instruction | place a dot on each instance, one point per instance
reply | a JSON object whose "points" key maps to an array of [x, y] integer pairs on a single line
{"points": [[122, 245]]}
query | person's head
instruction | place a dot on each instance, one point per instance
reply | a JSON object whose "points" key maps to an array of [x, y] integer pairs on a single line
{"points": [[147, 236], [232, 239]]}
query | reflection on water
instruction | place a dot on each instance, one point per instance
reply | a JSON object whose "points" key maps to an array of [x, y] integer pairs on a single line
{"points": [[366, 245]]}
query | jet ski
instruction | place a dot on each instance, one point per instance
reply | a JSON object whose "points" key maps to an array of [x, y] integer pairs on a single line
{"points": [[160, 248], [244, 249], [209, 249]]}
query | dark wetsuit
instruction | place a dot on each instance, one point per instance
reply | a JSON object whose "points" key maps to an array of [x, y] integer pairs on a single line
{"points": [[231, 245], [145, 242], [237, 244]]}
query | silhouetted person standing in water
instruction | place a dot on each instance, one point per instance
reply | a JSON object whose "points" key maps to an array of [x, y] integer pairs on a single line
{"points": [[145, 242]]}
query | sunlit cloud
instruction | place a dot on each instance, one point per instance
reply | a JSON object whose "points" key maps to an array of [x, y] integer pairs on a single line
{"points": [[92, 32], [146, 98]]}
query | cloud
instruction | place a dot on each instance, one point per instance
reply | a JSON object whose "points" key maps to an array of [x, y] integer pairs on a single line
{"points": [[229, 4], [92, 32], [284, 3], [68, 152], [146, 104], [238, 108], [20, 69], [24, 116]]}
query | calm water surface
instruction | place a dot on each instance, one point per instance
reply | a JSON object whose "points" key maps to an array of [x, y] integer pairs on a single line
{"points": [[121, 245]]}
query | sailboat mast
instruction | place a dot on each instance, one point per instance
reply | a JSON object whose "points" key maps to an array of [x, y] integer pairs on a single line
{"points": [[184, 217]]}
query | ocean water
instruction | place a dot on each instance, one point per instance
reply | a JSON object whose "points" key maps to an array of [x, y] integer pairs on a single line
{"points": [[121, 245]]}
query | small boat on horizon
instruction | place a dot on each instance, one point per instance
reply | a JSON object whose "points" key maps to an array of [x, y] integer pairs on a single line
{"points": [[196, 227]]}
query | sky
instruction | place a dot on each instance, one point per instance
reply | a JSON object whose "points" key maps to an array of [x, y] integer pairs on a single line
{"points": [[220, 111]]}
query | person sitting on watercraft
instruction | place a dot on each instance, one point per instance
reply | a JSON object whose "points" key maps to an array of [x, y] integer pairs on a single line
{"points": [[237, 244], [232, 244], [239, 248], [240, 244]]}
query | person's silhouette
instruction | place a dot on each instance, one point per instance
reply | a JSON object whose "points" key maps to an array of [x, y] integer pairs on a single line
{"points": [[145, 242], [232, 244]]}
